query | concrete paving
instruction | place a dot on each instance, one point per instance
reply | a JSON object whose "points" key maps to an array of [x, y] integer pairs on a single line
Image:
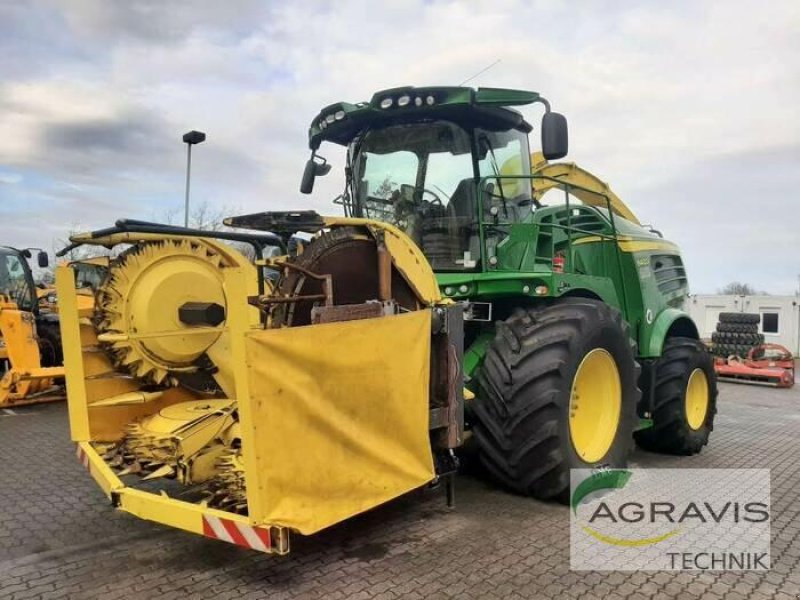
{"points": [[60, 538]]}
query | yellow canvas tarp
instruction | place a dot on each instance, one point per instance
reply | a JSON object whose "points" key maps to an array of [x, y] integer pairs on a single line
{"points": [[339, 417]]}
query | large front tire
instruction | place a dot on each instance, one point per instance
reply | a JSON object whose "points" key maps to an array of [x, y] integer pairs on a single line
{"points": [[530, 427], [49, 340], [685, 400]]}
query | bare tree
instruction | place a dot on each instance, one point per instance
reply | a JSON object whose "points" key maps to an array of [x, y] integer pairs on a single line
{"points": [[203, 216], [736, 288], [47, 275], [384, 190]]}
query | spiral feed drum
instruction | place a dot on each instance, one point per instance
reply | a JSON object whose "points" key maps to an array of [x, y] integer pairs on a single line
{"points": [[169, 287]]}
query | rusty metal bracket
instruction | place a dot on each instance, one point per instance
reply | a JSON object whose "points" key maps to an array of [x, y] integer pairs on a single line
{"points": [[264, 303]]}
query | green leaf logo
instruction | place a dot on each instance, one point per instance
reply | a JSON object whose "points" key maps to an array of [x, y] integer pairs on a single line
{"points": [[612, 479]]}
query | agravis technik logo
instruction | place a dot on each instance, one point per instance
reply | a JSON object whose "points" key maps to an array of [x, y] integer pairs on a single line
{"points": [[670, 519]]}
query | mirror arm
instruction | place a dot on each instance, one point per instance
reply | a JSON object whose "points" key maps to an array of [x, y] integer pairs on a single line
{"points": [[545, 102]]}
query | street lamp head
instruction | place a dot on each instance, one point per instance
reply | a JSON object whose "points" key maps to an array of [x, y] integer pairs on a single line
{"points": [[194, 137]]}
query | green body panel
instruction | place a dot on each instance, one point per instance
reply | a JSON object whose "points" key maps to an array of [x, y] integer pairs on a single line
{"points": [[474, 354], [653, 337], [495, 285], [619, 263], [339, 122]]}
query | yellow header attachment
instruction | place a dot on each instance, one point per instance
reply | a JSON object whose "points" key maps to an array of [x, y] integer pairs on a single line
{"points": [[585, 186], [335, 384]]}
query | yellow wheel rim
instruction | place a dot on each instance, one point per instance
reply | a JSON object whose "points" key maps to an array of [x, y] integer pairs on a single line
{"points": [[697, 399], [595, 405]]}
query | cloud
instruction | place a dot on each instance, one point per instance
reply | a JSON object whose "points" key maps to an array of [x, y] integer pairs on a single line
{"points": [[10, 178], [154, 21], [732, 215], [658, 96]]}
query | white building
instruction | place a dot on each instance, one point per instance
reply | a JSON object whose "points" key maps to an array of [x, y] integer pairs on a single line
{"points": [[780, 315]]}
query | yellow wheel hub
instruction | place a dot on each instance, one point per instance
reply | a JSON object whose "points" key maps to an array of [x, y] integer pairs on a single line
{"points": [[697, 399], [595, 405]]}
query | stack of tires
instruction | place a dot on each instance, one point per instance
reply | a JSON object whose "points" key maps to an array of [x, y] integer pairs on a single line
{"points": [[736, 334]]}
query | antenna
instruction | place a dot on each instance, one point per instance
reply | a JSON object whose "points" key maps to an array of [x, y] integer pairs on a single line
{"points": [[481, 72]]}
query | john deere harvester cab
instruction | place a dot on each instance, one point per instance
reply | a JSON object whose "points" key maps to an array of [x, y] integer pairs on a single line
{"points": [[576, 341], [30, 346]]}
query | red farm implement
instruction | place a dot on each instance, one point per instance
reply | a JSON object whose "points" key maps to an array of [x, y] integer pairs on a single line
{"points": [[766, 364]]}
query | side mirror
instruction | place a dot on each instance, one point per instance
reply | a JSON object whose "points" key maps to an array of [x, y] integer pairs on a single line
{"points": [[42, 260], [555, 138], [312, 170]]}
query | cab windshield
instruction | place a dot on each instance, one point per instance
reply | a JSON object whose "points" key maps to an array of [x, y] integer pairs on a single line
{"points": [[14, 280], [424, 179]]}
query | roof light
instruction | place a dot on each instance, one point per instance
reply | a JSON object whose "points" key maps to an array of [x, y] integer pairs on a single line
{"points": [[430, 100], [418, 101], [330, 119], [322, 124], [403, 100], [339, 115], [386, 102]]}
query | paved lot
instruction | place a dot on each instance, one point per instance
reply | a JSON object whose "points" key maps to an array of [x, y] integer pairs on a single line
{"points": [[60, 539]]}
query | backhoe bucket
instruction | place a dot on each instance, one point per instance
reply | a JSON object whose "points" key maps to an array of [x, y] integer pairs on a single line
{"points": [[25, 381]]}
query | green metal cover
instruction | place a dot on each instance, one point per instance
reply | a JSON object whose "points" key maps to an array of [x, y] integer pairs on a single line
{"points": [[340, 122]]}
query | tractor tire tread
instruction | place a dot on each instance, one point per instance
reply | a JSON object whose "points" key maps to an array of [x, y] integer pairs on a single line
{"points": [[523, 384], [670, 433]]}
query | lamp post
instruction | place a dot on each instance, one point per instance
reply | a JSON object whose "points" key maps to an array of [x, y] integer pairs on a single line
{"points": [[191, 138]]}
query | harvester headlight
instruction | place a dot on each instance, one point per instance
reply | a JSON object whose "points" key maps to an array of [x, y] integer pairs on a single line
{"points": [[540, 290], [526, 289], [330, 119], [418, 101], [448, 291], [463, 289], [430, 100], [403, 100], [386, 102], [339, 115]]}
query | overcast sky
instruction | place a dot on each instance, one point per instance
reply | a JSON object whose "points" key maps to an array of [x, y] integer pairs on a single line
{"points": [[691, 110]]}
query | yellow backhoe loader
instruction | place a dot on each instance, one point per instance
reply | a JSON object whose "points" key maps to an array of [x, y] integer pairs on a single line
{"points": [[30, 348]]}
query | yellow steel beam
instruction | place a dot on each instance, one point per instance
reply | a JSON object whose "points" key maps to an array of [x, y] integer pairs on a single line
{"points": [[238, 324], [168, 511], [98, 469], [73, 359]]}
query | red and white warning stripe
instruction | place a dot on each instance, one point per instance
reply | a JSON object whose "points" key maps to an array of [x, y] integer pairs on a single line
{"points": [[82, 457], [233, 532]]}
